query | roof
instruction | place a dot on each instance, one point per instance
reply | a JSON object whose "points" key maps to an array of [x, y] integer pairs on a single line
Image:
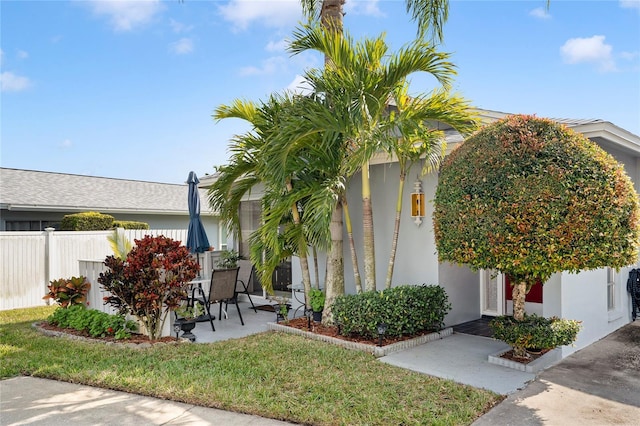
{"points": [[24, 190]]}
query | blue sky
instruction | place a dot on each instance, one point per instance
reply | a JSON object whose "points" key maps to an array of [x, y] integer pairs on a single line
{"points": [[125, 89]]}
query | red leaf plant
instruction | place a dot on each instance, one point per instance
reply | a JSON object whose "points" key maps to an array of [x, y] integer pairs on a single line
{"points": [[150, 282]]}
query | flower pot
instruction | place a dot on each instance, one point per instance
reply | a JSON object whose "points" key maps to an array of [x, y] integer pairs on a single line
{"points": [[186, 325], [317, 316], [280, 314]]}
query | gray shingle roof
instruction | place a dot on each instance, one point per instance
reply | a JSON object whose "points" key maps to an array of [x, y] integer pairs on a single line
{"points": [[36, 190]]}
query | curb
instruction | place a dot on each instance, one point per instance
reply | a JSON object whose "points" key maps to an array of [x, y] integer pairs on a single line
{"points": [[377, 351]]}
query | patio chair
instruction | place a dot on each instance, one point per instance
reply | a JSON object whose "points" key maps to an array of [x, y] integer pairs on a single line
{"points": [[244, 279], [223, 290]]}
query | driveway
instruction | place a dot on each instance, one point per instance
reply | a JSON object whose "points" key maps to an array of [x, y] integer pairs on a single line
{"points": [[598, 385]]}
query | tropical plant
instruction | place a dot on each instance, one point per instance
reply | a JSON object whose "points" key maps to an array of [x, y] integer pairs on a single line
{"points": [[316, 299], [95, 323], [529, 197], [120, 244], [189, 311], [358, 83], [67, 292], [152, 281], [228, 259]]}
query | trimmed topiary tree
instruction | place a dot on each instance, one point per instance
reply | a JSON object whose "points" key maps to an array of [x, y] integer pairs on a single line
{"points": [[529, 197]]}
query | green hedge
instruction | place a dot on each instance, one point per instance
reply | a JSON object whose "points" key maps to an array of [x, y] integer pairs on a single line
{"points": [[130, 224], [535, 332], [404, 309], [87, 221]]}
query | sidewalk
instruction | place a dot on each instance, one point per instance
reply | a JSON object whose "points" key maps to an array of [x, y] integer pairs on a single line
{"points": [[30, 400]]}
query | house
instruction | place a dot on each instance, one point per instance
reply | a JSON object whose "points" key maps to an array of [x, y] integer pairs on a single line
{"points": [[598, 298], [33, 200]]}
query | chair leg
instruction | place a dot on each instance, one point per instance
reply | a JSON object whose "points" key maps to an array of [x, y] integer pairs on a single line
{"points": [[206, 304], [238, 308], [246, 291]]}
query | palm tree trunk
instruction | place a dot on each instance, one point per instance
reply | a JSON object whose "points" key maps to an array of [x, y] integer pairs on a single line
{"points": [[302, 253], [352, 246], [331, 15], [335, 266], [315, 267], [367, 231], [396, 230]]}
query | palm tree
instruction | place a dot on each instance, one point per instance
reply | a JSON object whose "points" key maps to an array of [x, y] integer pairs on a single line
{"points": [[248, 168], [413, 141], [359, 80]]}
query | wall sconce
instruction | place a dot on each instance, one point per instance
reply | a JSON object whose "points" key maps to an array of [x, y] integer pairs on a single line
{"points": [[417, 203]]}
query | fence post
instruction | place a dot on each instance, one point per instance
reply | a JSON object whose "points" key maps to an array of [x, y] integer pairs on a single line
{"points": [[47, 257]]}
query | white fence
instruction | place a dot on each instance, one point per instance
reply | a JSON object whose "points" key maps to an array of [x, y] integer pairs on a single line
{"points": [[30, 260]]}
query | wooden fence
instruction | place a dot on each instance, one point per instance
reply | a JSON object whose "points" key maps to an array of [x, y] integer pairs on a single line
{"points": [[30, 260]]}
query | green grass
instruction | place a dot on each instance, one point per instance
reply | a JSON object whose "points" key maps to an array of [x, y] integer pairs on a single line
{"points": [[274, 375]]}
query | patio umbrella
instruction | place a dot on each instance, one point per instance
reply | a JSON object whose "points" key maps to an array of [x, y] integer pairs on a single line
{"points": [[197, 241]]}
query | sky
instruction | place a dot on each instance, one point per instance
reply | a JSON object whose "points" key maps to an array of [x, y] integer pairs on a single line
{"points": [[126, 89]]}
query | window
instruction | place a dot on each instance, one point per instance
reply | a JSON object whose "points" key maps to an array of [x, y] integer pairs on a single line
{"points": [[611, 289]]}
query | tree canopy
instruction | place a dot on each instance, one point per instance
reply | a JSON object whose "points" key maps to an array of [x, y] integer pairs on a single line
{"points": [[529, 197]]}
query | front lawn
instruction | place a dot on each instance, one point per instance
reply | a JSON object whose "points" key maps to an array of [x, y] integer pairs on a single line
{"points": [[271, 374]]}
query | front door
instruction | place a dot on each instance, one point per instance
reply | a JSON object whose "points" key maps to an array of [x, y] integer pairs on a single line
{"points": [[492, 299]]}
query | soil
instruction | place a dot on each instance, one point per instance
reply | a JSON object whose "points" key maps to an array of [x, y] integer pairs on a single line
{"points": [[134, 339], [533, 356], [332, 331]]}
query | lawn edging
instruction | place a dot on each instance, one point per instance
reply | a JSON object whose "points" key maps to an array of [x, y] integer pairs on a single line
{"points": [[377, 351]]}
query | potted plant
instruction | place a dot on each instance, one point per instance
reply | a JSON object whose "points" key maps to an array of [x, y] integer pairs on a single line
{"points": [[187, 316], [281, 308], [228, 259], [534, 334], [316, 299]]}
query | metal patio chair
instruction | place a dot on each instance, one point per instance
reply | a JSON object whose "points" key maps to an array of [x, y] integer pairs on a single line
{"points": [[244, 279]]}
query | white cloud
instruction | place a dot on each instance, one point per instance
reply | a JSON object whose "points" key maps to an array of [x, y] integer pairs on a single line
{"points": [[276, 46], [363, 7], [540, 13], [10, 82], [22, 54], [299, 85], [629, 56], [66, 144], [273, 14], [182, 46], [591, 50], [179, 27], [125, 15], [630, 4], [269, 66]]}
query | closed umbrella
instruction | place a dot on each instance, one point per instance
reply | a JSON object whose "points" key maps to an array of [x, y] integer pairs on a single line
{"points": [[197, 241]]}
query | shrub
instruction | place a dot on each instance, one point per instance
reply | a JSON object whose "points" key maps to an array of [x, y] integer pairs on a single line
{"points": [[535, 332], [93, 322], [405, 310], [68, 291], [86, 221], [151, 281], [130, 224]]}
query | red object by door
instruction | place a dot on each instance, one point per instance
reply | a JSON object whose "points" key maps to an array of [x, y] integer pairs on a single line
{"points": [[534, 295]]}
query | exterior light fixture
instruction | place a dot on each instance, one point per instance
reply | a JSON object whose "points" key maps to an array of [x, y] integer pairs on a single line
{"points": [[382, 328], [308, 313], [417, 203]]}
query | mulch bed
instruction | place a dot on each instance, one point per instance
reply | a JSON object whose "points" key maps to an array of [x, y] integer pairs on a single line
{"points": [[509, 355], [332, 331], [134, 339]]}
